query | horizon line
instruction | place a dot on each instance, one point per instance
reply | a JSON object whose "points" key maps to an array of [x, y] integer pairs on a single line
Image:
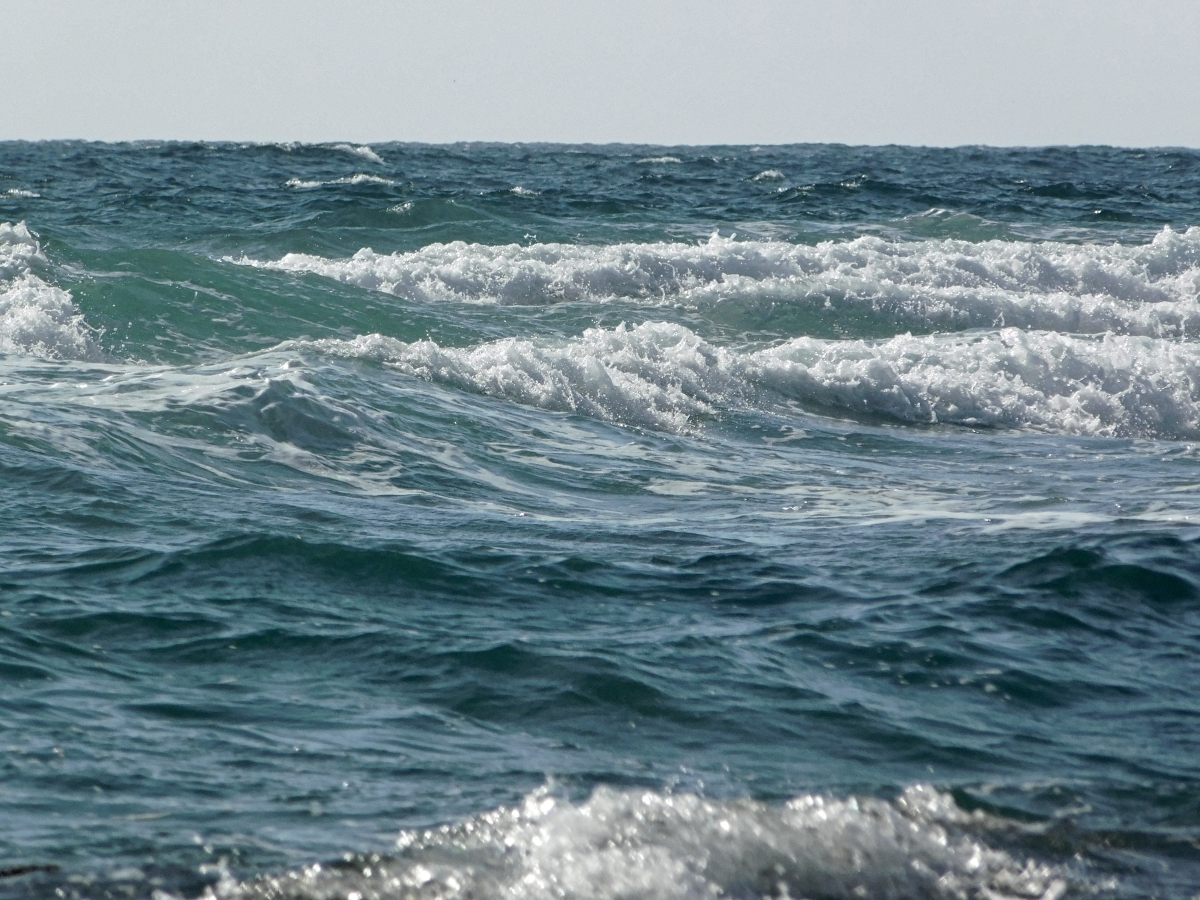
{"points": [[615, 143]]}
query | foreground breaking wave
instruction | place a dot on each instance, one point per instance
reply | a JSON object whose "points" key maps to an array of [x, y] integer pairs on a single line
{"points": [[1151, 289], [644, 844], [662, 375]]}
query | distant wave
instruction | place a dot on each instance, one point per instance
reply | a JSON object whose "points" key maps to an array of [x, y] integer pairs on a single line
{"points": [[364, 151], [349, 179], [1151, 289]]}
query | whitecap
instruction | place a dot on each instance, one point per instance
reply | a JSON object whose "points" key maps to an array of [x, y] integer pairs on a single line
{"points": [[656, 376], [768, 175], [660, 160], [37, 318], [361, 150], [360, 178], [19, 250], [20, 192], [663, 376], [523, 191], [1111, 386]]}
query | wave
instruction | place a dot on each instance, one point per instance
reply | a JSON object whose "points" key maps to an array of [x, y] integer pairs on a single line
{"points": [[348, 179], [663, 376], [768, 175], [655, 376], [1151, 289], [363, 151], [37, 318], [647, 844]]}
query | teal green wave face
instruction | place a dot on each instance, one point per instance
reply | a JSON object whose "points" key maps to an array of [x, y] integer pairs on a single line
{"points": [[598, 521]]}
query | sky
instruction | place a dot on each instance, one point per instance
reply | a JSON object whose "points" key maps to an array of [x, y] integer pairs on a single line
{"points": [[931, 72]]}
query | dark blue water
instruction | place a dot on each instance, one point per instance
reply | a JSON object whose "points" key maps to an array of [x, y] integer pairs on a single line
{"points": [[542, 521]]}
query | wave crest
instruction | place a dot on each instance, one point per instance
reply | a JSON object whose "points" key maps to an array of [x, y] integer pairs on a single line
{"points": [[360, 150], [662, 375], [37, 318]]}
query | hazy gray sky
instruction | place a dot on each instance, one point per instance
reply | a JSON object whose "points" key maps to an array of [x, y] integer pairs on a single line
{"points": [[902, 71]]}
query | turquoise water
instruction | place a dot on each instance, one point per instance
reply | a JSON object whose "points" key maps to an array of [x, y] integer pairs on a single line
{"points": [[543, 521]]}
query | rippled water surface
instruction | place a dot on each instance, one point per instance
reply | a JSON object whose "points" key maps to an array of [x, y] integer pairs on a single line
{"points": [[504, 521]]}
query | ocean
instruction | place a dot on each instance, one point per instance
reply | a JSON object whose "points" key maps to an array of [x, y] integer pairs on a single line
{"points": [[543, 521]]}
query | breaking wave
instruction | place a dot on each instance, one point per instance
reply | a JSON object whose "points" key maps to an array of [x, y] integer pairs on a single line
{"points": [[362, 151], [664, 376], [360, 178], [37, 318], [645, 844], [1151, 289]]}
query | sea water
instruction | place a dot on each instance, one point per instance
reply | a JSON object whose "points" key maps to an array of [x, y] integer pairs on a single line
{"points": [[504, 521]]}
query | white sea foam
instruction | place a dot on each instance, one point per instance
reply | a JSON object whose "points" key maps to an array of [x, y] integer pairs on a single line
{"points": [[37, 318], [1150, 289], [661, 160], [348, 179], [19, 250], [654, 376], [19, 192], [365, 179], [364, 151], [768, 175], [523, 191], [1108, 386], [663, 376], [659, 846]]}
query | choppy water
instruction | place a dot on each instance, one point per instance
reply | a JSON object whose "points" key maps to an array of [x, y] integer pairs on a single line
{"points": [[524, 522]]}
